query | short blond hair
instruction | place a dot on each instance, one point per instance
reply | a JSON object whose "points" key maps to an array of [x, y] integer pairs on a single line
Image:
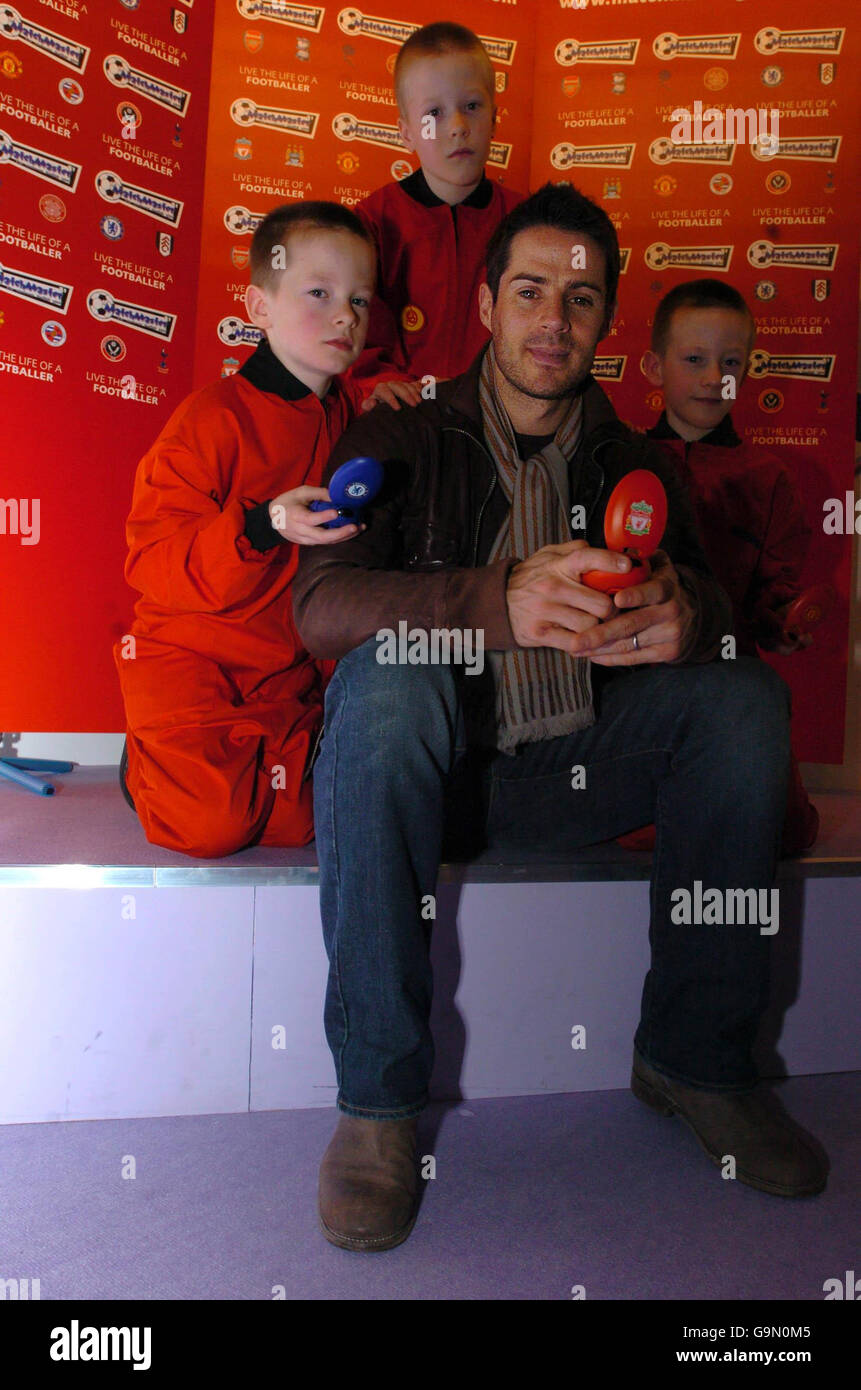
{"points": [[434, 41]]}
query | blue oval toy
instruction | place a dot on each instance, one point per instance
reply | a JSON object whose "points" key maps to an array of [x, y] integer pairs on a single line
{"points": [[351, 488]]}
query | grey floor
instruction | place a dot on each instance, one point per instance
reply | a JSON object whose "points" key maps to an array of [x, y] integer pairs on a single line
{"points": [[532, 1196]]}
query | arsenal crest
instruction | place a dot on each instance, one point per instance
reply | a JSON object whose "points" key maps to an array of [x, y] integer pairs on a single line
{"points": [[239, 256], [253, 40]]}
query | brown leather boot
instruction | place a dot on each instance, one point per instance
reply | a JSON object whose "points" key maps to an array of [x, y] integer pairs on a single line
{"points": [[369, 1183], [771, 1152]]}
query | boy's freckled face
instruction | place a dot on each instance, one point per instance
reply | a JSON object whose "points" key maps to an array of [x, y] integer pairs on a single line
{"points": [[703, 347], [452, 88], [316, 313]]}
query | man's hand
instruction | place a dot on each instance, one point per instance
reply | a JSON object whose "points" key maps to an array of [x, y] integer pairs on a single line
{"points": [[393, 392], [661, 617], [547, 604]]}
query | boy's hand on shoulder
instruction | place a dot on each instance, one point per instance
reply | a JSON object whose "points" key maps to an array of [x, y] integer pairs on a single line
{"points": [[393, 392], [291, 517]]}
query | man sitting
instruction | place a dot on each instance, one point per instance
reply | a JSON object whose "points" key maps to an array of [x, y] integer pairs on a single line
{"points": [[492, 512]]}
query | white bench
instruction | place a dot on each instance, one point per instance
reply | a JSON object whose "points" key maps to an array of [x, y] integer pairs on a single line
{"points": [[140, 982]]}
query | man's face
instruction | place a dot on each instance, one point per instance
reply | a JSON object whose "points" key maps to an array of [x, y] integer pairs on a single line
{"points": [[548, 318], [452, 89], [316, 315], [703, 346]]}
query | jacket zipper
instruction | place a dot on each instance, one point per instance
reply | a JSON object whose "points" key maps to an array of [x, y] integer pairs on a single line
{"points": [[455, 430]]}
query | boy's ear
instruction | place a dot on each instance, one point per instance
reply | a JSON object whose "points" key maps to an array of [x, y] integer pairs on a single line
{"points": [[653, 368], [485, 305], [404, 132], [257, 304]]}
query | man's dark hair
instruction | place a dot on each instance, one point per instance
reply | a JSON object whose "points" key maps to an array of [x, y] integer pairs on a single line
{"points": [[565, 208], [697, 294], [279, 224]]}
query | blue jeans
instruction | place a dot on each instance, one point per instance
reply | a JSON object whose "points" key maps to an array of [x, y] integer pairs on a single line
{"points": [[703, 751]]}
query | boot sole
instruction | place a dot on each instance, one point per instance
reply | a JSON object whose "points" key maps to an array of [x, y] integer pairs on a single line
{"points": [[653, 1098], [367, 1244]]}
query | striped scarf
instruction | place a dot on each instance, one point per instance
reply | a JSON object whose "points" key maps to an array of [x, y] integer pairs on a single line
{"points": [[541, 692]]}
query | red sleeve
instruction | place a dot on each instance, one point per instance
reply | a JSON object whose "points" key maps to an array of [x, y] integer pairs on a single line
{"points": [[187, 553], [787, 539]]}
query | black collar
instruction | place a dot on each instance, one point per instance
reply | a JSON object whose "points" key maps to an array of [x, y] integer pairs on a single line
{"points": [[265, 371], [416, 185], [723, 435]]}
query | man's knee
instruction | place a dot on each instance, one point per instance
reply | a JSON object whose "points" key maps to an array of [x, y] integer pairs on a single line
{"points": [[386, 696], [749, 690], [746, 706]]}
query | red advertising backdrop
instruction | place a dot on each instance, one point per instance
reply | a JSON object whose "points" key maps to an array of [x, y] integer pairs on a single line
{"points": [[141, 140], [102, 143], [782, 229], [302, 106]]}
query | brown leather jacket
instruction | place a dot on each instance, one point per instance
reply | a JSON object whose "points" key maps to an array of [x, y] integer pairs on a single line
{"points": [[422, 557]]}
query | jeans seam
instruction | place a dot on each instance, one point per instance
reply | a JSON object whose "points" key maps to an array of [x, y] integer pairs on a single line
{"points": [[336, 871], [406, 1112]]}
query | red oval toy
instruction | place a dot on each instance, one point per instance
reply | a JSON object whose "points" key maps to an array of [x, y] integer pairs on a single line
{"points": [[808, 611], [634, 524]]}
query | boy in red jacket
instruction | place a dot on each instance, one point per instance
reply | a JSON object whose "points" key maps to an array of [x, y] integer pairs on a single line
{"points": [[223, 702], [747, 505], [432, 228]]}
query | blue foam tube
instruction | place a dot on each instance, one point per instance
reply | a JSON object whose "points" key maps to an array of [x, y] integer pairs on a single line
{"points": [[25, 780]]}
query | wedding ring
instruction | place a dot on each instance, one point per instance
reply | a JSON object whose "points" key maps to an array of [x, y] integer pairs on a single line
{"points": [[636, 643]]}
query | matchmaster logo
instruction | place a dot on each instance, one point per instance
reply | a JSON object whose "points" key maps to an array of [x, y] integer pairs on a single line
{"points": [[348, 127], [666, 151], [805, 256], [608, 368], [39, 163], [232, 331], [799, 40], [35, 288], [118, 71], [565, 156], [354, 23], [669, 46], [307, 17], [659, 256], [240, 222], [102, 306], [809, 366], [114, 190], [823, 149], [247, 113], [570, 51], [20, 30]]}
